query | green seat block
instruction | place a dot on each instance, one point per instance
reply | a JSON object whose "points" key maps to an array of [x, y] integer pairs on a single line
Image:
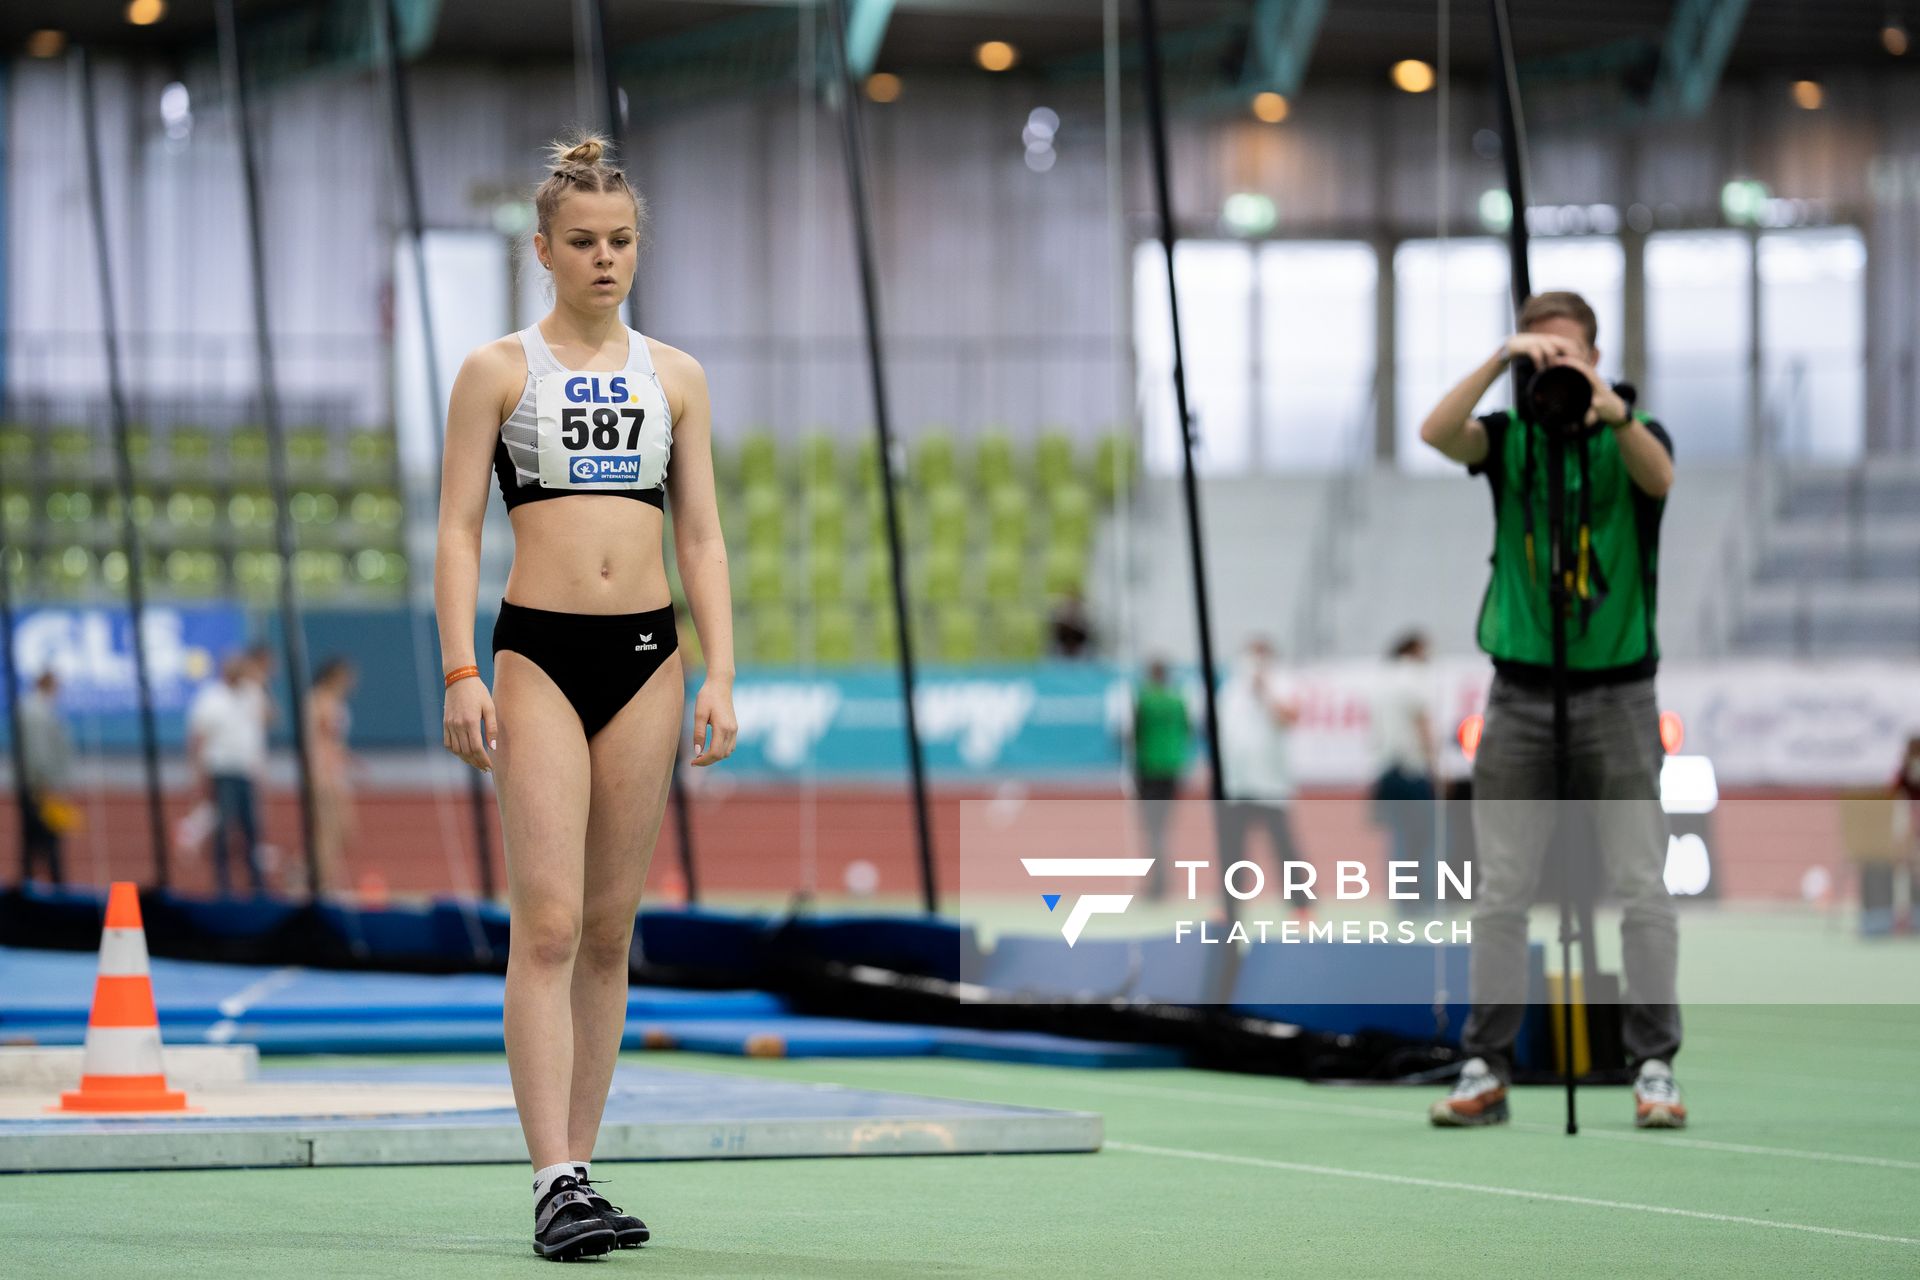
{"points": [[776, 640], [1066, 570], [1116, 462], [1019, 633], [1009, 516], [884, 635], [1005, 573], [759, 460], [190, 447], [1053, 459], [818, 460], [836, 636], [16, 448], [826, 509], [1070, 516], [942, 572], [993, 463], [766, 512], [946, 516], [933, 459], [766, 570], [826, 574], [958, 630], [247, 448]]}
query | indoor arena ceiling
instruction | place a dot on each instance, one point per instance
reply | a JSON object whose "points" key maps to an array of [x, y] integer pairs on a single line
{"points": [[1356, 38]]}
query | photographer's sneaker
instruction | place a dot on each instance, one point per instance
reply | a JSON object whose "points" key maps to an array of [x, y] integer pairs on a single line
{"points": [[566, 1226], [629, 1231], [1656, 1098], [1478, 1098]]}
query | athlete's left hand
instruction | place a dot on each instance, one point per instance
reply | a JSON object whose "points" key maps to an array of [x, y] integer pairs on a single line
{"points": [[714, 727]]}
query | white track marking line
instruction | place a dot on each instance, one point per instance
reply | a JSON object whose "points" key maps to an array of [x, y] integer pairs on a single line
{"points": [[1516, 1193], [231, 1007], [1403, 1117]]}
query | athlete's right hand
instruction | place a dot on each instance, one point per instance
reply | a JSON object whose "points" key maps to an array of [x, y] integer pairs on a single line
{"points": [[472, 727]]}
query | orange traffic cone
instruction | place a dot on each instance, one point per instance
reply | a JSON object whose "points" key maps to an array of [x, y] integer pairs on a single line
{"points": [[122, 1070]]}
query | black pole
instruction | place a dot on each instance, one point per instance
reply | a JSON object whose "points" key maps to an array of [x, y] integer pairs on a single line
{"points": [[293, 637], [869, 296], [403, 154], [592, 17], [1189, 486], [1513, 141], [130, 544], [18, 749]]}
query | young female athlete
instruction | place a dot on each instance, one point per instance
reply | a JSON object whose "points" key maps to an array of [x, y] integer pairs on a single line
{"points": [[576, 417]]}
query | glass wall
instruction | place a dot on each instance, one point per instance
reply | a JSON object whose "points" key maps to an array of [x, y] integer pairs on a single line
{"points": [[1698, 339], [1317, 303], [1216, 333], [1813, 336]]}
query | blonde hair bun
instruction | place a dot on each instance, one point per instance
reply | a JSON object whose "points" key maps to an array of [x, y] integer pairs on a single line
{"points": [[587, 150]]}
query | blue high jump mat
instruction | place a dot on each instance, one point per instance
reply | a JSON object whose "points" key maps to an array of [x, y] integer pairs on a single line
{"points": [[464, 1115]]}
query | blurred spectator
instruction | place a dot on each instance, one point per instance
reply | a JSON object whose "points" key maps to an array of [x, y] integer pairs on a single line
{"points": [[1071, 629], [227, 742], [47, 749], [1162, 739], [1257, 773], [1405, 764], [328, 723]]}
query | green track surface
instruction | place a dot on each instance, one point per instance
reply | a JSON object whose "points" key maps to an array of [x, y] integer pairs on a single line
{"points": [[1804, 1160]]}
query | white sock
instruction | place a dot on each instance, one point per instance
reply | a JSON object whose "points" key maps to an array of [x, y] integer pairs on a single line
{"points": [[543, 1179], [582, 1169]]}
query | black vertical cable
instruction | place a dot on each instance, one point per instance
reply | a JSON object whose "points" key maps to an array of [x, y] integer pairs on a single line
{"points": [[1190, 489], [293, 637], [592, 14], [1513, 141], [855, 151], [130, 545], [402, 117]]}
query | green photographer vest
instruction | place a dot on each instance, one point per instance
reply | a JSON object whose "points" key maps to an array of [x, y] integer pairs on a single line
{"points": [[1612, 559]]}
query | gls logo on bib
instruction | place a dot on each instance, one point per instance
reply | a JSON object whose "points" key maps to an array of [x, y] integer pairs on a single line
{"points": [[602, 431]]}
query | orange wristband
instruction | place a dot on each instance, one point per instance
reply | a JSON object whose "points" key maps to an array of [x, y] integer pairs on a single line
{"points": [[460, 673]]}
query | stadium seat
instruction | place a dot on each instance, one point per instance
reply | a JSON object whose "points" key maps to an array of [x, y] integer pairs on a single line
{"points": [[1115, 461], [933, 461], [766, 571], [319, 573], [247, 450], [835, 636], [371, 450], [826, 508], [250, 509], [70, 449], [993, 460], [942, 571], [1066, 570], [16, 448], [1005, 572], [958, 629], [1070, 515], [774, 640], [946, 516], [766, 511], [884, 636], [1053, 460], [190, 448], [16, 509], [759, 460], [818, 460], [1008, 516], [826, 574], [309, 449], [1019, 633]]}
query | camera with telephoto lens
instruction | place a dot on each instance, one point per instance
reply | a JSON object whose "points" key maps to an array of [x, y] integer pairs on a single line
{"points": [[1557, 396]]}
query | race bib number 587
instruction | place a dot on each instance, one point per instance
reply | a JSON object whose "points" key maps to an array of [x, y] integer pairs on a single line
{"points": [[600, 431]]}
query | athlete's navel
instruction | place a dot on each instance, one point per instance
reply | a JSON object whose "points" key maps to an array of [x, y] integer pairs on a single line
{"points": [[606, 569]]}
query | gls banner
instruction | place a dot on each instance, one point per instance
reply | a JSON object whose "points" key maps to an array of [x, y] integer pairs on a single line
{"points": [[91, 650]]}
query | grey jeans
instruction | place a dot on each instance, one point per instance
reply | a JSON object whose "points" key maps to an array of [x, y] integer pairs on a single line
{"points": [[1615, 754]]}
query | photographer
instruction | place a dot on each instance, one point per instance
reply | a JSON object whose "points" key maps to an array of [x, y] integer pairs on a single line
{"points": [[1618, 470]]}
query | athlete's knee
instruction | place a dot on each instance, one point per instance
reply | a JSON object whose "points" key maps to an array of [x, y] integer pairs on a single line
{"points": [[606, 941], [547, 936]]}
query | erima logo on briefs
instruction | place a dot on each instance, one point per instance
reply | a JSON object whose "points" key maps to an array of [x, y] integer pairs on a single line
{"points": [[645, 643], [588, 391], [1089, 905], [595, 468]]}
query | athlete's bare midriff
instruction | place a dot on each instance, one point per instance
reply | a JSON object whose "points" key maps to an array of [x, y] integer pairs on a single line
{"points": [[588, 553]]}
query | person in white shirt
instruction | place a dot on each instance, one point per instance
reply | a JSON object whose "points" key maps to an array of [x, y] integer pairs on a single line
{"points": [[227, 742], [1256, 771], [1404, 764], [47, 749]]}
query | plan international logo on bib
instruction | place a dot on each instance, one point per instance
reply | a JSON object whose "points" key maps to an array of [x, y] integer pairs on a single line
{"points": [[605, 468]]}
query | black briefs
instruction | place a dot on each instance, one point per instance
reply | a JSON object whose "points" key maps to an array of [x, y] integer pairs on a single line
{"points": [[599, 660]]}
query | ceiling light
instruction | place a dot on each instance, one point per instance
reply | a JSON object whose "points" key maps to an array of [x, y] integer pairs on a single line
{"points": [[883, 86], [144, 13], [1412, 75], [1808, 95], [46, 43], [1893, 36], [996, 55], [1271, 108]]}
